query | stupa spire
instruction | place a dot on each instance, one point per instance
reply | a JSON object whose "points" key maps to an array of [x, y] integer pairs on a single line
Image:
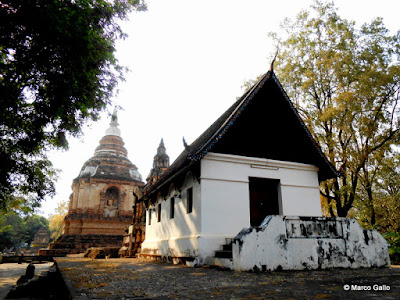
{"points": [[113, 129]]}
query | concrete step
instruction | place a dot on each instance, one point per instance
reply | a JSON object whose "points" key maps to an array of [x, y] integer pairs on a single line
{"points": [[227, 247], [226, 251], [223, 254]]}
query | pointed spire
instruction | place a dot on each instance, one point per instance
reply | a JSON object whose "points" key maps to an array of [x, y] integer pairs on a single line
{"points": [[161, 148], [160, 164], [113, 129], [114, 116]]}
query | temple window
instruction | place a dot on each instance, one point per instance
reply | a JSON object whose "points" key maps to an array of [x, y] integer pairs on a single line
{"points": [[189, 204], [149, 216], [172, 208]]}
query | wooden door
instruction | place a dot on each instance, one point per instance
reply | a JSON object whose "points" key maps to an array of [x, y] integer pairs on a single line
{"points": [[264, 199]]}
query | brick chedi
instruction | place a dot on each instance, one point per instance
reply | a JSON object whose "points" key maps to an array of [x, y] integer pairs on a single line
{"points": [[40, 240], [101, 204]]}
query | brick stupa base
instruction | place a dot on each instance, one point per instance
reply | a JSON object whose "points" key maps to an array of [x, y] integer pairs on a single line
{"points": [[74, 244], [87, 232]]}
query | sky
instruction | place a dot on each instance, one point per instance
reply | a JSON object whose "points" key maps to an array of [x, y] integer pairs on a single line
{"points": [[188, 60]]}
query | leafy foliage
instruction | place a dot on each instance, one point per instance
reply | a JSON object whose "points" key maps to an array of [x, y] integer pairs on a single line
{"points": [[379, 203], [15, 230], [393, 238], [57, 70], [56, 220], [346, 82]]}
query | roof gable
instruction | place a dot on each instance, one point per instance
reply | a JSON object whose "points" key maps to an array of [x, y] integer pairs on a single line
{"points": [[262, 123]]}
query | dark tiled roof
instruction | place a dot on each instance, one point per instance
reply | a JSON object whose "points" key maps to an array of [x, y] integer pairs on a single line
{"points": [[208, 139]]}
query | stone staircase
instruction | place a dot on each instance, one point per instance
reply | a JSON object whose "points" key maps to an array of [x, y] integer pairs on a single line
{"points": [[224, 258], [73, 244], [226, 251]]}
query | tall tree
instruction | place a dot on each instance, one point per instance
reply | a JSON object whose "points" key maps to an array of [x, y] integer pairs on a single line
{"points": [[57, 70], [346, 82]]}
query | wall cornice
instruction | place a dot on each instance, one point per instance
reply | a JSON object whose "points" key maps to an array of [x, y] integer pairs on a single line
{"points": [[259, 163]]}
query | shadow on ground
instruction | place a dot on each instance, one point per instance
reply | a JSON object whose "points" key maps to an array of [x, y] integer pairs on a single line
{"points": [[142, 279]]}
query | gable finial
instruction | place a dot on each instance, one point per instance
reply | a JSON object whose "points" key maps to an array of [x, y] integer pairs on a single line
{"points": [[185, 144], [271, 68]]}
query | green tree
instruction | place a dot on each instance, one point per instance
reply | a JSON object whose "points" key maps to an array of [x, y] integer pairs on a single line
{"points": [[57, 220], [16, 229], [33, 224], [346, 83], [57, 71], [12, 230]]}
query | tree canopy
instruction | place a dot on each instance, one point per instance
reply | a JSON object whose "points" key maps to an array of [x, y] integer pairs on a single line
{"points": [[346, 83], [57, 70], [16, 230]]}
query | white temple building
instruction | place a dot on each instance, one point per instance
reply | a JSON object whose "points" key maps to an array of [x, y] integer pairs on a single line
{"points": [[245, 195]]}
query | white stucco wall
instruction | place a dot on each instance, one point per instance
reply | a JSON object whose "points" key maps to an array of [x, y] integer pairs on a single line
{"points": [[177, 237], [227, 176], [221, 206], [225, 197]]}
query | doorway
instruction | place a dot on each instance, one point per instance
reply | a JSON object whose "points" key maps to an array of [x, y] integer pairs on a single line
{"points": [[264, 199]]}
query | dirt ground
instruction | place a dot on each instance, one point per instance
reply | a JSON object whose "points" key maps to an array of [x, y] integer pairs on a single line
{"points": [[136, 278]]}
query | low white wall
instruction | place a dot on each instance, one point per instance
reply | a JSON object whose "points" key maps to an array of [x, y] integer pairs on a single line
{"points": [[294, 243]]}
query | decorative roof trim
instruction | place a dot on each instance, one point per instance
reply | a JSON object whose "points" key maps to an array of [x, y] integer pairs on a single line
{"points": [[155, 187]]}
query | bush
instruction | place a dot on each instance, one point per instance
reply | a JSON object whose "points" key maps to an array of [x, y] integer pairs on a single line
{"points": [[393, 239]]}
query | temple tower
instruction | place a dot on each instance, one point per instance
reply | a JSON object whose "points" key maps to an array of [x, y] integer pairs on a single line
{"points": [[101, 204], [160, 164]]}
